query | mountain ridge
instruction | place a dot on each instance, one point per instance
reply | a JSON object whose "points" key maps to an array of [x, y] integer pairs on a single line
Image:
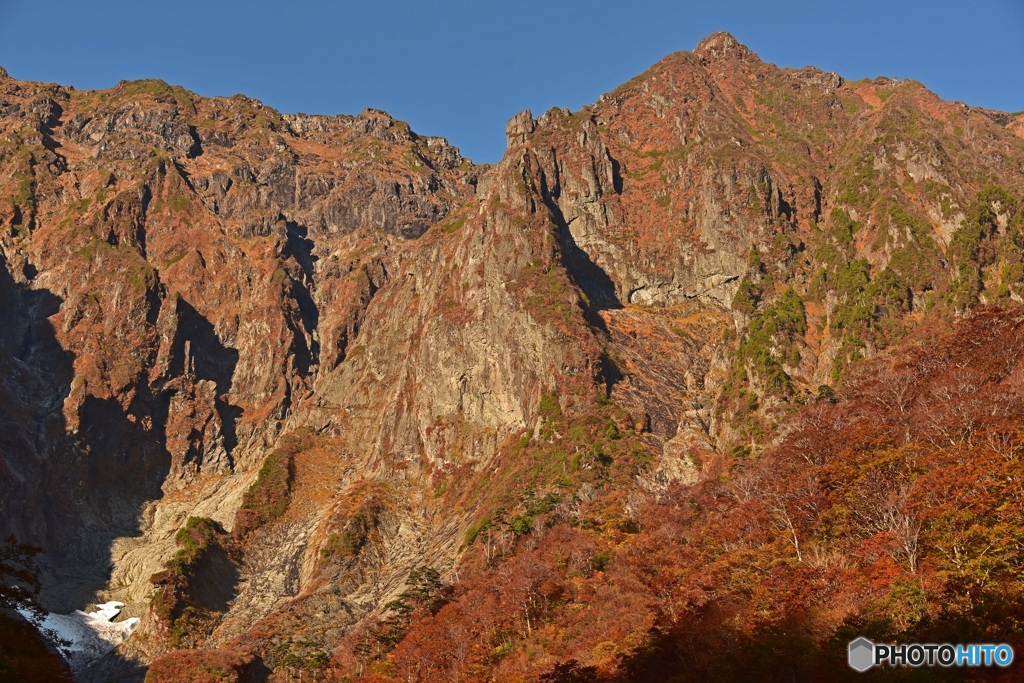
{"points": [[358, 356]]}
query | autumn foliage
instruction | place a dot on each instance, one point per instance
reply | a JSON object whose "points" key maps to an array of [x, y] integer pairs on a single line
{"points": [[202, 666], [892, 509], [268, 497], [178, 603]]}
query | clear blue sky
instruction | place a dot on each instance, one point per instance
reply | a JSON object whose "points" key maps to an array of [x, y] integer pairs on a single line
{"points": [[460, 69]]}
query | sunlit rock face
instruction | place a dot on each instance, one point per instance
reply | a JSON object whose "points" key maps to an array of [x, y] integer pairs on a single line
{"points": [[345, 346]]}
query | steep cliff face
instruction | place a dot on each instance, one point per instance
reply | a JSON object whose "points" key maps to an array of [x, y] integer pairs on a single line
{"points": [[346, 345], [714, 181], [191, 278], [167, 259]]}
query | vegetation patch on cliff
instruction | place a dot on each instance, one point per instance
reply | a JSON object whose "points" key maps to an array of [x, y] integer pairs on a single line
{"points": [[268, 497], [196, 583]]}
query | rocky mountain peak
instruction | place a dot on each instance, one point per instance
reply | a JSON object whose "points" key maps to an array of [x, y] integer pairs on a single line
{"points": [[3, 73], [378, 124], [720, 46], [519, 127]]}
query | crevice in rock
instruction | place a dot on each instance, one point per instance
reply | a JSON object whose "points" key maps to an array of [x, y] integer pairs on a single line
{"points": [[616, 174], [306, 344], [305, 347], [588, 275], [197, 144], [300, 247], [145, 197], [207, 358]]}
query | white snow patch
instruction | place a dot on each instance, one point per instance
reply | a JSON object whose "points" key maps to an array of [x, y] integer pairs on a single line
{"points": [[90, 634]]}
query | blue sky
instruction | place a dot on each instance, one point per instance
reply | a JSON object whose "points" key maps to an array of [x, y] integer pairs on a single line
{"points": [[460, 69]]}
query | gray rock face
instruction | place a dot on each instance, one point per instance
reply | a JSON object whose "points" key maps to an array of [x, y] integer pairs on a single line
{"points": [[460, 364], [174, 300], [128, 132], [720, 46], [585, 187], [519, 128]]}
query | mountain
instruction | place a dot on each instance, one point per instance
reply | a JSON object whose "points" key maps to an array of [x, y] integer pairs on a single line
{"points": [[694, 383]]}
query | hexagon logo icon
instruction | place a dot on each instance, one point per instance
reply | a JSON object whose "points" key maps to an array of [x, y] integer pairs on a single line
{"points": [[861, 656]]}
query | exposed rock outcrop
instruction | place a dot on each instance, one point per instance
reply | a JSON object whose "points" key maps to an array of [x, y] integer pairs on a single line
{"points": [[186, 281]]}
